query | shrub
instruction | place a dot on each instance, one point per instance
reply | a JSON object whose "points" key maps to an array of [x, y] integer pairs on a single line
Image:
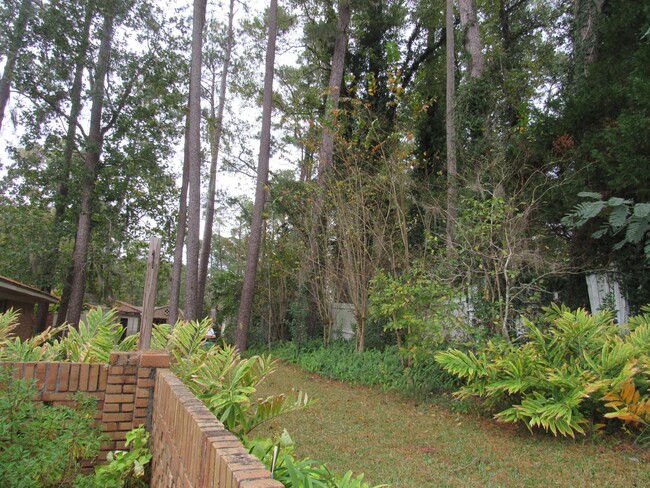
{"points": [[125, 468], [575, 370], [41, 445], [371, 367]]}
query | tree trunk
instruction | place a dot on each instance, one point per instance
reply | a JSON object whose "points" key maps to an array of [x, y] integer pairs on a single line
{"points": [[326, 157], [68, 152], [326, 153], [470, 27], [15, 45], [215, 142], [93, 152], [246, 303], [192, 304], [177, 269], [452, 173]]}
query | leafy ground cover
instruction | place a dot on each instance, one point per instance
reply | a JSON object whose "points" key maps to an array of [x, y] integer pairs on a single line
{"points": [[411, 444]]}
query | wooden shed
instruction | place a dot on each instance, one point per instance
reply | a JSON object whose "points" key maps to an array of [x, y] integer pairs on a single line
{"points": [[23, 299]]}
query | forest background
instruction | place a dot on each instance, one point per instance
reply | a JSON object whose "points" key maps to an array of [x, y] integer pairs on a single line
{"points": [[433, 149]]}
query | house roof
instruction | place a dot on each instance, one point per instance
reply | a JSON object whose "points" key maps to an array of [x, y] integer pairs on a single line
{"points": [[159, 313], [126, 308], [14, 290]]}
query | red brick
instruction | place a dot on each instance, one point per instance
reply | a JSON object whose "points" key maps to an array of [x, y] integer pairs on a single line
{"points": [[52, 371], [112, 407], [113, 388], [41, 374], [129, 380], [83, 377], [250, 474], [127, 407], [140, 413], [64, 376], [128, 388], [130, 370], [143, 393], [117, 417], [73, 383], [124, 425], [103, 376], [102, 455], [118, 436], [120, 445], [154, 359], [29, 370], [142, 402], [270, 483], [55, 397], [146, 383], [118, 398], [144, 372], [110, 426], [115, 371], [93, 377]]}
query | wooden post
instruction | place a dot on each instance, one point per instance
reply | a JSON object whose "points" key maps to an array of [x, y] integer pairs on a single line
{"points": [[150, 287]]}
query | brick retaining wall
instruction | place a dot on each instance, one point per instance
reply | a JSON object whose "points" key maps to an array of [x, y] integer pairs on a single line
{"points": [[193, 449], [123, 389], [190, 447]]}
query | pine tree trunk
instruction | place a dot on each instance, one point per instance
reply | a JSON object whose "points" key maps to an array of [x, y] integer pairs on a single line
{"points": [[326, 156], [93, 152], [452, 173], [248, 289], [215, 142], [326, 153], [177, 268], [68, 152], [16, 43], [192, 305]]}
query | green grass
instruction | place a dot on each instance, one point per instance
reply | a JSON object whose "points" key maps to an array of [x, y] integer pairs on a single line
{"points": [[409, 444]]}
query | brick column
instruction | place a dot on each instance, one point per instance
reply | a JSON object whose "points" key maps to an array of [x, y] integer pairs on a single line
{"points": [[129, 394], [146, 381], [119, 401]]}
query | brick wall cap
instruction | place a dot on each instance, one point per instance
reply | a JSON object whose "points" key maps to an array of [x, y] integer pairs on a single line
{"points": [[154, 358]]}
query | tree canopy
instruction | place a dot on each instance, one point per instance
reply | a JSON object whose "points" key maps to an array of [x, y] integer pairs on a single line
{"points": [[412, 141]]}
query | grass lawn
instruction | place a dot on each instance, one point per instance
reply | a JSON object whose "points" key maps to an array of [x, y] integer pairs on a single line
{"points": [[408, 444]]}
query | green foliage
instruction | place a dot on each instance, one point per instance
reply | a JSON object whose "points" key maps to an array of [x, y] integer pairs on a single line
{"points": [[95, 338], [416, 307], [125, 468], [278, 456], [226, 382], [622, 216], [371, 367], [40, 445], [560, 378], [91, 343], [8, 322]]}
